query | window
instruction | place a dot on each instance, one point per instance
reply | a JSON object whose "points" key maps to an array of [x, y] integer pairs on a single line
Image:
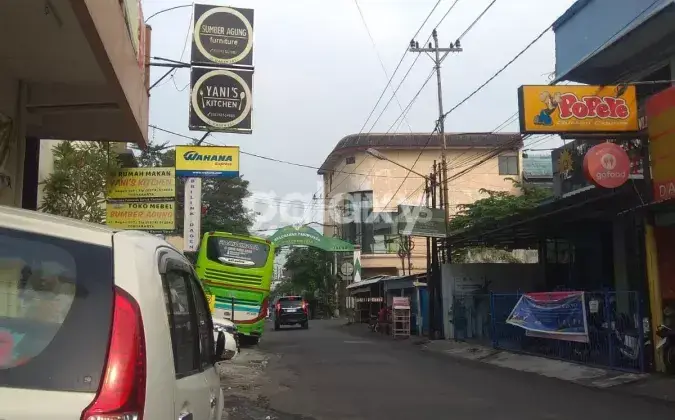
{"points": [[237, 252], [350, 160], [508, 165], [182, 319], [205, 324], [53, 292]]}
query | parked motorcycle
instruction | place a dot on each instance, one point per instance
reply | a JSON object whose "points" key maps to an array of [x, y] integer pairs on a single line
{"points": [[667, 345], [374, 323]]}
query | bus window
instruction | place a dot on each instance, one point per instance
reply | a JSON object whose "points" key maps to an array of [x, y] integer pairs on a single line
{"points": [[237, 252]]}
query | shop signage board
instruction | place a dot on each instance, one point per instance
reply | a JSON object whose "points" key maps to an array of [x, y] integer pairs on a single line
{"points": [[401, 302], [568, 164], [142, 184], [207, 161], [221, 100], [607, 165], [421, 221], [577, 109], [192, 216], [661, 117], [357, 264], [133, 12], [222, 36], [149, 216]]}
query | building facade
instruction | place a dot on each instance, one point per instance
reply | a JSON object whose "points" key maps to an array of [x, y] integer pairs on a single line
{"points": [[607, 42], [362, 192], [80, 73]]}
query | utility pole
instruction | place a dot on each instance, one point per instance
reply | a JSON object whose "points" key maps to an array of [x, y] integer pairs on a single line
{"points": [[438, 59], [434, 286]]}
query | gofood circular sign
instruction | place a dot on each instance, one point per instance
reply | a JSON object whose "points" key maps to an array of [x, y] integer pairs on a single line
{"points": [[221, 99], [222, 35], [607, 165]]}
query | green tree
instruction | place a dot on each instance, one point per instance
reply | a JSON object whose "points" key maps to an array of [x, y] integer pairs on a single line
{"points": [[497, 205], [308, 276], [77, 186]]}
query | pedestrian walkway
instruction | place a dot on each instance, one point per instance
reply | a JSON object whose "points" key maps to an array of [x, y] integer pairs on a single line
{"points": [[641, 385]]}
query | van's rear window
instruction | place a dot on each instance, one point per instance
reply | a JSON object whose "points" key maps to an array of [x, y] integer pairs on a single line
{"points": [[56, 301]]}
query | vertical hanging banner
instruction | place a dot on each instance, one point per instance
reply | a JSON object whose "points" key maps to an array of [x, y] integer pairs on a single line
{"points": [[222, 36], [193, 214], [357, 264]]}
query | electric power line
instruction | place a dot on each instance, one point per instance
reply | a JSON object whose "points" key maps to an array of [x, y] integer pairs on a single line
{"points": [[301, 165]]}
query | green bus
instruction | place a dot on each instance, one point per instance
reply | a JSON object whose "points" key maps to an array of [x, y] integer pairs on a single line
{"points": [[237, 271]]}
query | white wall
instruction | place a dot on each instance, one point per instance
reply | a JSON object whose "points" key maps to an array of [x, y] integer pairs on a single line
{"points": [[502, 278]]}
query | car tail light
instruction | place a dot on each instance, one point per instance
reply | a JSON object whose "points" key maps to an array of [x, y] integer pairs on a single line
{"points": [[304, 306], [122, 392], [278, 306]]}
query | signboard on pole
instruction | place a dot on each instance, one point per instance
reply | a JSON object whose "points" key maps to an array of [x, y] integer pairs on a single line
{"points": [[192, 217], [222, 36], [143, 184], [207, 161], [421, 221], [149, 216], [221, 100]]}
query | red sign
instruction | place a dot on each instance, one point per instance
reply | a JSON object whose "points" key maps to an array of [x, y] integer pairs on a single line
{"points": [[607, 165], [592, 107]]}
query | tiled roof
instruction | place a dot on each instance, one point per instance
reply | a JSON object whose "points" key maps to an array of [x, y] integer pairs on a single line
{"points": [[417, 141]]}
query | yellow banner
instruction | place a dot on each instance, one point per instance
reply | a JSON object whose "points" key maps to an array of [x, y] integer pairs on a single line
{"points": [[142, 216], [207, 161], [577, 109], [140, 183]]}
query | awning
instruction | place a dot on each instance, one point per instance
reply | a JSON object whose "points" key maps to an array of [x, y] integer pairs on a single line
{"points": [[651, 37], [523, 230], [82, 67]]}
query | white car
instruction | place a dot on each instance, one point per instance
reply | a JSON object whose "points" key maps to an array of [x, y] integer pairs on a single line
{"points": [[101, 324]]}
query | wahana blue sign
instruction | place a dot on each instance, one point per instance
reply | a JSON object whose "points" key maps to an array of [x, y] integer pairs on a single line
{"points": [[555, 315]]}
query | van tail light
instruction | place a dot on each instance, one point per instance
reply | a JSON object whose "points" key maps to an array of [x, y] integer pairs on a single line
{"points": [[278, 309], [121, 395], [304, 306]]}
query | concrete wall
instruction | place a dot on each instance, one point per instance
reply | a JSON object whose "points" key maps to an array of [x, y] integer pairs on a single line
{"points": [[12, 167], [466, 279], [593, 25]]}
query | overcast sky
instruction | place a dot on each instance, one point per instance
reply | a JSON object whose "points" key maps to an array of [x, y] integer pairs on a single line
{"points": [[317, 77]]}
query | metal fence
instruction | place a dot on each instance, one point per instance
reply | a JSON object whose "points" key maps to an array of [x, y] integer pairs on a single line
{"points": [[616, 329]]}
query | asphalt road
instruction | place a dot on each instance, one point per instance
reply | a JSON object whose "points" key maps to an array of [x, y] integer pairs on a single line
{"points": [[335, 372]]}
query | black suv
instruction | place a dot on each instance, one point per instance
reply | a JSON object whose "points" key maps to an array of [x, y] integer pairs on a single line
{"points": [[291, 310]]}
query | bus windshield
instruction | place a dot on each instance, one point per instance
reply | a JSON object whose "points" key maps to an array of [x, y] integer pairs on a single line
{"points": [[237, 252]]}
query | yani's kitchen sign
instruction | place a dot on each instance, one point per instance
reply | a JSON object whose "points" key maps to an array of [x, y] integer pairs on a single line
{"points": [[222, 36], [221, 100]]}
